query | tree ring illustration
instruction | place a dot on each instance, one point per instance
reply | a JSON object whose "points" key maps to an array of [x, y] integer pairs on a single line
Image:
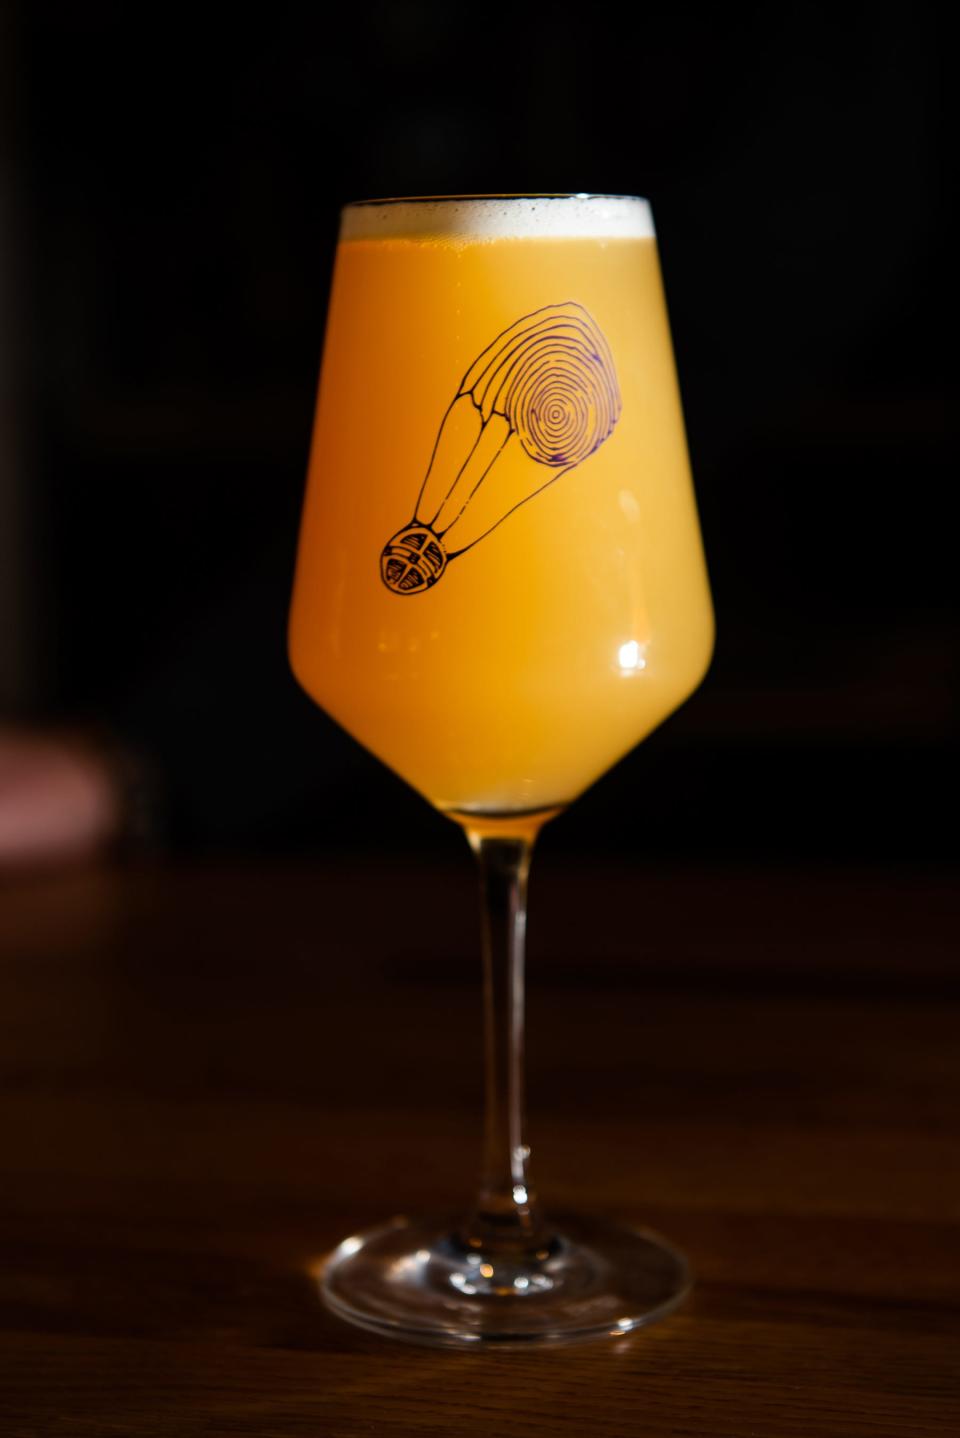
{"points": [[548, 383]]}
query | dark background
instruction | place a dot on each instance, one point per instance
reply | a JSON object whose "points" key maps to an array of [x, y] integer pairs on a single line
{"points": [[172, 178]]}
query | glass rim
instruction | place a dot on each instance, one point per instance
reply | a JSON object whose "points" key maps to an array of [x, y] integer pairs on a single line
{"points": [[496, 198]]}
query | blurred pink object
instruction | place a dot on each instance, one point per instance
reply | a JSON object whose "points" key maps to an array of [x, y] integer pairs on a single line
{"points": [[60, 799]]}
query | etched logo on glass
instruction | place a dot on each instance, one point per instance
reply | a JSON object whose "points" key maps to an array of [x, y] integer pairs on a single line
{"points": [[548, 385]]}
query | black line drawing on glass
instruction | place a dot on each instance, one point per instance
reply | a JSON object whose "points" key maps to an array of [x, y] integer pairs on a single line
{"points": [[548, 385]]}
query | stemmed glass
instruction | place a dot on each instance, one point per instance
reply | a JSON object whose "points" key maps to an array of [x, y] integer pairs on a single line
{"points": [[500, 590]]}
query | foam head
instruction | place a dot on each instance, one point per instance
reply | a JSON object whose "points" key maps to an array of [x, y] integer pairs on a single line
{"points": [[498, 217]]}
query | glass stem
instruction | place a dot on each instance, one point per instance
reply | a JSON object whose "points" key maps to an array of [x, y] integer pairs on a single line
{"points": [[505, 1218]]}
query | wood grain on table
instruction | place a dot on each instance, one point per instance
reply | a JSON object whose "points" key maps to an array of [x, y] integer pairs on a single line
{"points": [[210, 1075]]}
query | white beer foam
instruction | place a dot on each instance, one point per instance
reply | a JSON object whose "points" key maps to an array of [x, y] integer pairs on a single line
{"points": [[481, 217]]}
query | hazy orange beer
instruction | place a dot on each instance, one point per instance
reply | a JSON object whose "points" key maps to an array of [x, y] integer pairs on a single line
{"points": [[500, 584], [500, 589]]}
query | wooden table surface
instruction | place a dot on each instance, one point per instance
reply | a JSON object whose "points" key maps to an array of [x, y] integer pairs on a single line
{"points": [[208, 1076]]}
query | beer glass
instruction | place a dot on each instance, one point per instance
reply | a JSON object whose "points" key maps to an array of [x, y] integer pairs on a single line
{"points": [[500, 589]]}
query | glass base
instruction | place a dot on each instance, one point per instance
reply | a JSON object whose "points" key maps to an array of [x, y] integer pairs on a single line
{"points": [[421, 1281]]}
